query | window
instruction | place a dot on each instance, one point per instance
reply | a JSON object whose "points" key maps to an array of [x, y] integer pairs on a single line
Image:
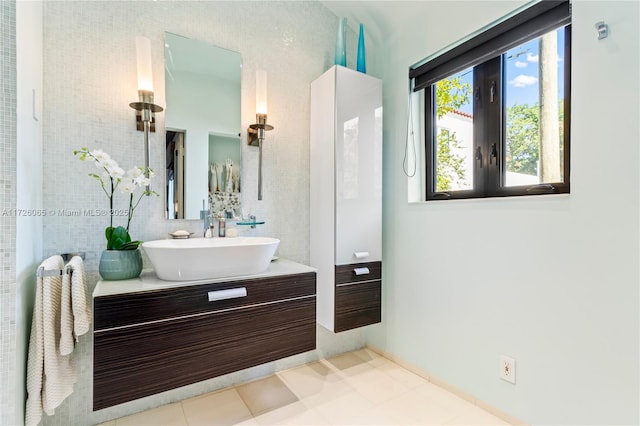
{"points": [[497, 109]]}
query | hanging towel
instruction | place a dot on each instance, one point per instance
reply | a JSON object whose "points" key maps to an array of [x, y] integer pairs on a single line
{"points": [[50, 375], [75, 312]]}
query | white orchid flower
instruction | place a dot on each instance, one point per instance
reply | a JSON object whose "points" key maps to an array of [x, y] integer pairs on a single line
{"points": [[127, 182], [100, 155], [128, 187], [116, 172]]}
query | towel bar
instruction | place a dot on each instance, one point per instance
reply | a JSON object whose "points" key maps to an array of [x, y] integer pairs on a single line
{"points": [[53, 272], [59, 272]]}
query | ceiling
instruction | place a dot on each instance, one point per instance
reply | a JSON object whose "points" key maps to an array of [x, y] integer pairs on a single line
{"points": [[380, 18]]}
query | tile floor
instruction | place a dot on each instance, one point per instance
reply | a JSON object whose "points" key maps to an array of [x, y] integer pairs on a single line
{"points": [[356, 388]]}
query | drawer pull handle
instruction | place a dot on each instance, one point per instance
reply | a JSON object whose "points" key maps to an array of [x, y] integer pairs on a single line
{"points": [[361, 254], [231, 293], [361, 271]]}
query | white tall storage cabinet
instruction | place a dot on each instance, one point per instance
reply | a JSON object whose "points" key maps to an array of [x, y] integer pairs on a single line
{"points": [[346, 197]]}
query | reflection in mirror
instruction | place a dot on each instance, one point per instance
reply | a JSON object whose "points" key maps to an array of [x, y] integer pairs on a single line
{"points": [[202, 86]]}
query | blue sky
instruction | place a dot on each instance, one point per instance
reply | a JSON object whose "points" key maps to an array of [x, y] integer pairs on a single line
{"points": [[521, 73]]}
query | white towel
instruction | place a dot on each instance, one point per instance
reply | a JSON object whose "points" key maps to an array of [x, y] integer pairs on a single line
{"points": [[50, 375], [75, 312]]}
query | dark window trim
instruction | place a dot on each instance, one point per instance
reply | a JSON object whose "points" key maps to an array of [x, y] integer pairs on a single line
{"points": [[530, 23], [488, 181]]}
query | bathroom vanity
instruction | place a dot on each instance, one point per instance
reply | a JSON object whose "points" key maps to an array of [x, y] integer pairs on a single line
{"points": [[346, 197], [152, 335]]}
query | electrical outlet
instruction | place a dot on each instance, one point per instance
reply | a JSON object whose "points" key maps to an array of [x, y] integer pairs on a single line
{"points": [[508, 369]]}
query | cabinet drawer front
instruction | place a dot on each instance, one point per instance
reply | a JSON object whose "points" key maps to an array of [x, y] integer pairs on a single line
{"points": [[134, 362], [358, 305], [349, 273], [132, 308]]}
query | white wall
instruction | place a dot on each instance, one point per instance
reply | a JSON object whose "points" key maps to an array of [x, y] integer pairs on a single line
{"points": [[551, 281], [29, 44]]}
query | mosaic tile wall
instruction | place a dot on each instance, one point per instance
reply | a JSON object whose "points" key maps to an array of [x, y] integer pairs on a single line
{"points": [[7, 204], [90, 79]]}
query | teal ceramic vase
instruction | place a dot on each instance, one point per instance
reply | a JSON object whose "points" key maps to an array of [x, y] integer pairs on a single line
{"points": [[361, 62], [341, 43], [120, 264]]}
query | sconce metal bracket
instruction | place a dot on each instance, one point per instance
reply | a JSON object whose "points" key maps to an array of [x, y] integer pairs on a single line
{"points": [[145, 108], [253, 133], [256, 131], [140, 123]]}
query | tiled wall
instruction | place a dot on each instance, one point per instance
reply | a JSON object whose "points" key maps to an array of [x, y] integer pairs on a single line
{"points": [[90, 79], [7, 203]]}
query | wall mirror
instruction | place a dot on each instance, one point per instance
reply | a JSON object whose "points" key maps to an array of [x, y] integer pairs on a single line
{"points": [[202, 113]]}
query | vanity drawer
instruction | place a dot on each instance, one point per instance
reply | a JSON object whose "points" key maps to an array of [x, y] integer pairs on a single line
{"points": [[347, 273], [142, 360], [357, 305], [134, 308]]}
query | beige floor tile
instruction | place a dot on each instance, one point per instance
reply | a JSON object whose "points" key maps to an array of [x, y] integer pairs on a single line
{"points": [[376, 386], [345, 361], [266, 394], [477, 416], [357, 388], [348, 409], [423, 410], [402, 375], [250, 422], [332, 392], [109, 423], [218, 408], [370, 357], [166, 415], [311, 380], [349, 365], [390, 414], [444, 398], [292, 414]]}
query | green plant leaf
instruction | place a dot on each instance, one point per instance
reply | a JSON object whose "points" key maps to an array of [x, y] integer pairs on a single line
{"points": [[117, 238], [107, 233], [132, 245]]}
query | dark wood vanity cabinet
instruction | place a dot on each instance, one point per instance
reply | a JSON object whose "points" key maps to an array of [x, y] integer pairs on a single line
{"points": [[358, 295], [150, 342]]}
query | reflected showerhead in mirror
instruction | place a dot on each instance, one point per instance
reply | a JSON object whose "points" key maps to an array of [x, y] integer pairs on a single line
{"points": [[256, 131]]}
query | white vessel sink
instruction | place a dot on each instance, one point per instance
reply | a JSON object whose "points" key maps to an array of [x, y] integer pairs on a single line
{"points": [[208, 258]]}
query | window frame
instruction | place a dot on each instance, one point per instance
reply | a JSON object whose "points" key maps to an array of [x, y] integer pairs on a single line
{"points": [[485, 53]]}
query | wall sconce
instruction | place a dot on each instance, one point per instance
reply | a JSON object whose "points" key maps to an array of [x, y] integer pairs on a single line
{"points": [[256, 131], [145, 106]]}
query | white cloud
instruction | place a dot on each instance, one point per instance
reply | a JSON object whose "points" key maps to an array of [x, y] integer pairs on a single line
{"points": [[520, 64], [531, 57], [523, 80]]}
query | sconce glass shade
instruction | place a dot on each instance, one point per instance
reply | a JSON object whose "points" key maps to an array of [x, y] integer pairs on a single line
{"points": [[261, 92], [143, 56]]}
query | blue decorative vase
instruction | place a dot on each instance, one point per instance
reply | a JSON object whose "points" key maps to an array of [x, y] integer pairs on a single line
{"points": [[120, 264], [361, 63], [341, 43]]}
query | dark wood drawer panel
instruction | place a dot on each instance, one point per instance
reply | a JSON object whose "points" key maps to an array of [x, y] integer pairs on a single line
{"points": [[357, 305], [138, 361], [346, 274], [132, 308]]}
